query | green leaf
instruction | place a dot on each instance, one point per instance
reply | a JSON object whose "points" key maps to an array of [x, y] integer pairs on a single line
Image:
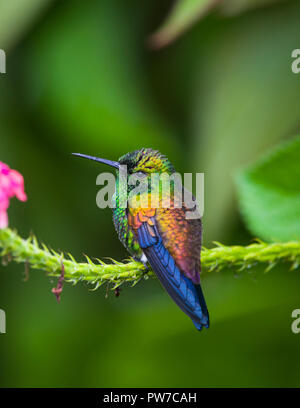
{"points": [[269, 194], [182, 16], [185, 13], [16, 16]]}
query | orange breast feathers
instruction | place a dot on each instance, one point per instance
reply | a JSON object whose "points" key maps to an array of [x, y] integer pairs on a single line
{"points": [[138, 216], [180, 236]]}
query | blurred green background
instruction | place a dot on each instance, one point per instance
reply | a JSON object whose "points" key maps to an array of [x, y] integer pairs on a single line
{"points": [[80, 77]]}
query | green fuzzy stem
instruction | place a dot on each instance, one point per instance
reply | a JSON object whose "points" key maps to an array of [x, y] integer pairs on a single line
{"points": [[96, 273]]}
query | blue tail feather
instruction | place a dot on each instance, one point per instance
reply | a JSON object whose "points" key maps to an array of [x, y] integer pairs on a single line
{"points": [[184, 292]]}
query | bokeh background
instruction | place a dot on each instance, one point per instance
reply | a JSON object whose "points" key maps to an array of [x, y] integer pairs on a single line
{"points": [[82, 77]]}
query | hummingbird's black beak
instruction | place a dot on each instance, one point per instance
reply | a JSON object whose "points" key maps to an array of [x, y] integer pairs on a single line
{"points": [[105, 161]]}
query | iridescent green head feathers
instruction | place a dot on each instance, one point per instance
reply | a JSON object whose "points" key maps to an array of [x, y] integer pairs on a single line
{"points": [[146, 161]]}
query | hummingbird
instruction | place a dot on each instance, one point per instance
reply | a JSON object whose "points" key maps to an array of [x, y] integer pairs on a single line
{"points": [[163, 238]]}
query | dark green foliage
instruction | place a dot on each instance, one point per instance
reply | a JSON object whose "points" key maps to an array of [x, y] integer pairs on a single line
{"points": [[269, 194]]}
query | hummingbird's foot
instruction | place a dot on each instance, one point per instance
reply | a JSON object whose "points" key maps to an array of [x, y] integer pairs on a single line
{"points": [[144, 261], [147, 268]]}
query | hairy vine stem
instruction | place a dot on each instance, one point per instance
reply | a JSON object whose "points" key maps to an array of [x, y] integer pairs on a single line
{"points": [[96, 272]]}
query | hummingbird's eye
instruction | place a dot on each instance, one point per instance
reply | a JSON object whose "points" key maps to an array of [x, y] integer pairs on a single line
{"points": [[140, 174]]}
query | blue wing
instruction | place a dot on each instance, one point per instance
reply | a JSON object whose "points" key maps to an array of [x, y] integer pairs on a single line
{"points": [[187, 295]]}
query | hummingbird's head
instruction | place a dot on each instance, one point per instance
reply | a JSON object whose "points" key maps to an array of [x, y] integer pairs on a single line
{"points": [[144, 161]]}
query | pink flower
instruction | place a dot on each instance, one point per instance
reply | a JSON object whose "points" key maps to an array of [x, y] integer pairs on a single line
{"points": [[11, 184]]}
